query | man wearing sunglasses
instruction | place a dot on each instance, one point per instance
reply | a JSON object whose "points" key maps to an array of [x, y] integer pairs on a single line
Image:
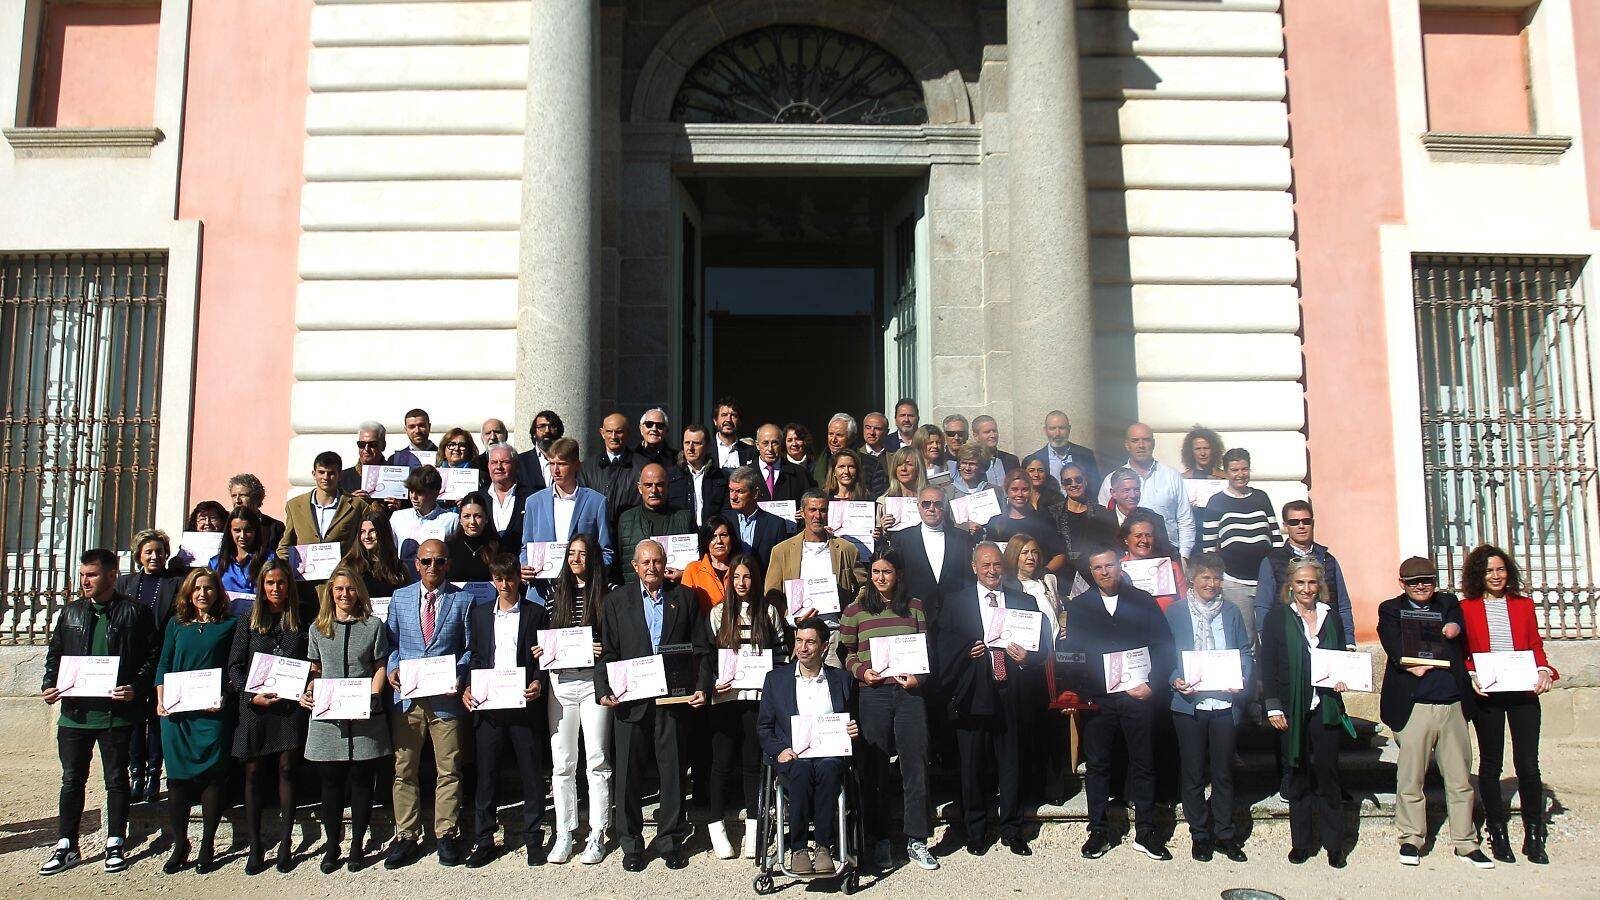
{"points": [[653, 446], [1299, 530], [938, 556]]}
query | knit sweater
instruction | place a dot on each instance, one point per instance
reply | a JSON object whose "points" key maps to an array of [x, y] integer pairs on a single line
{"points": [[858, 627], [642, 522], [1243, 530]]}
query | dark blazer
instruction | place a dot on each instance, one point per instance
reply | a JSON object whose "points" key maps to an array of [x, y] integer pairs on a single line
{"points": [[128, 585], [713, 490], [968, 683], [1273, 662], [1180, 620], [745, 451], [624, 635], [271, 531], [1008, 461], [1081, 456], [1399, 686], [511, 538], [791, 482], [531, 618], [618, 482], [1138, 623], [779, 702], [529, 472], [770, 532], [954, 573]]}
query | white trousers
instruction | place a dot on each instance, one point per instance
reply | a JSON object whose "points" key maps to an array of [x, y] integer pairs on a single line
{"points": [[574, 710]]}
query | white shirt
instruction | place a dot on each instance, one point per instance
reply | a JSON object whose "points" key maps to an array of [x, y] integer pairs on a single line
{"points": [[503, 507], [1162, 491], [815, 561], [769, 469], [727, 454], [695, 500], [440, 524], [323, 514], [811, 694], [1110, 602], [1311, 640], [985, 610], [933, 542], [544, 465], [1035, 588], [505, 636], [562, 509]]}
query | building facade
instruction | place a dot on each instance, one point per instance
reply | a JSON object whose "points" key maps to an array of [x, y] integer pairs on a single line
{"points": [[1352, 237]]}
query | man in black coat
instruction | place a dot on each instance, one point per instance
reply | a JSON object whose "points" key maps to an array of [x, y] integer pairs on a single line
{"points": [[612, 471], [758, 530], [933, 541], [1110, 617], [982, 684], [699, 484], [507, 495], [546, 429], [637, 620], [779, 478], [1059, 450]]}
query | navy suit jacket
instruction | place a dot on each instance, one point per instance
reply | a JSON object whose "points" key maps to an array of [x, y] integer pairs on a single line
{"points": [[770, 531], [779, 702]]}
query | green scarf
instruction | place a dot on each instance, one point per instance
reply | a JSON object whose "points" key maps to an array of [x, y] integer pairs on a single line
{"points": [[1332, 705]]}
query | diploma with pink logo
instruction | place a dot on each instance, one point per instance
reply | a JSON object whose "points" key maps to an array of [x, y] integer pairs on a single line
{"points": [[1330, 667], [1213, 670], [904, 511], [783, 509], [811, 737], [566, 648], [979, 507], [429, 676], [1127, 669], [546, 557], [819, 594], [499, 688], [641, 678], [899, 654], [277, 675], [385, 482], [457, 483], [1013, 626], [1201, 490], [1153, 576], [193, 691], [87, 676], [746, 667], [853, 520], [681, 549], [341, 698], [315, 562]]}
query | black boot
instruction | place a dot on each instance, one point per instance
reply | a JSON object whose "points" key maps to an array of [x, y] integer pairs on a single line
{"points": [[136, 783], [1534, 835], [255, 863], [1499, 842]]}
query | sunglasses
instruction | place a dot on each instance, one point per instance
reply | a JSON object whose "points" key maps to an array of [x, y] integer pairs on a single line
{"points": [[956, 434], [430, 562], [653, 426], [367, 445], [1297, 522], [1079, 480], [930, 504], [1420, 582]]}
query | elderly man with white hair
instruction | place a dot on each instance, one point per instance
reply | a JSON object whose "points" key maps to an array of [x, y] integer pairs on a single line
{"points": [[507, 496]]}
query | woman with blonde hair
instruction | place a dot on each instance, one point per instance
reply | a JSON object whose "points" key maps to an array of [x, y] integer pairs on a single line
{"points": [[844, 481]]}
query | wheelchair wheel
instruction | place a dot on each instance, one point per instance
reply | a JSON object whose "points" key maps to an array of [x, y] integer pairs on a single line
{"points": [[763, 884], [852, 883]]}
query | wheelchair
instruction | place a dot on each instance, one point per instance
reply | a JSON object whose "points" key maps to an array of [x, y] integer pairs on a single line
{"points": [[772, 850]]}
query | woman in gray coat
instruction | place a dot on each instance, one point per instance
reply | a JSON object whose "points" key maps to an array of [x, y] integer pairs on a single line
{"points": [[348, 641]]}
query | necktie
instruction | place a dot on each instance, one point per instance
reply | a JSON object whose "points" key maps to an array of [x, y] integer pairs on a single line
{"points": [[427, 618], [997, 659], [770, 482]]}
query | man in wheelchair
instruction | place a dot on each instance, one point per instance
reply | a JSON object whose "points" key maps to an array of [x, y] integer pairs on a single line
{"points": [[806, 687]]}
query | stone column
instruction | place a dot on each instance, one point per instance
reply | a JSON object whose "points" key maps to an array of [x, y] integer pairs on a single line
{"points": [[558, 270], [1051, 284]]}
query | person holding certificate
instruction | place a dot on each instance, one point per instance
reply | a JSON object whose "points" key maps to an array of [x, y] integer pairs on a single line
{"points": [[1141, 535], [272, 725], [928, 441], [504, 638], [564, 509], [815, 553], [1122, 627], [748, 621], [906, 475], [843, 480], [1207, 708], [373, 557], [457, 451], [194, 741], [573, 709], [636, 620], [324, 514], [1427, 706], [1018, 516], [1500, 619], [428, 620], [239, 560], [894, 717], [806, 687], [650, 519], [152, 584], [1043, 739], [1310, 720], [707, 575], [475, 544], [981, 674], [967, 473], [105, 624]]}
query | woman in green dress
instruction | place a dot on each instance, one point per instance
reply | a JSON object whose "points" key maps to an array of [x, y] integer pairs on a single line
{"points": [[195, 743]]}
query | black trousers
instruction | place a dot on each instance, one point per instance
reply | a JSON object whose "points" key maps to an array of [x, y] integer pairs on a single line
{"points": [[528, 742], [894, 721], [76, 747], [357, 777], [144, 744], [1312, 787], [656, 734], [990, 743], [734, 749], [1522, 712], [812, 788], [1206, 742], [1120, 714]]}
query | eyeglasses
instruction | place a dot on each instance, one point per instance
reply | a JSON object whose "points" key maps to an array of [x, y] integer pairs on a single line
{"points": [[1079, 480], [367, 445], [653, 426], [455, 445], [1420, 582], [1292, 523], [956, 434], [930, 504], [430, 561]]}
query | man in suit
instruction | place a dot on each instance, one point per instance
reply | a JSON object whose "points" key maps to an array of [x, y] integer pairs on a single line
{"points": [[986, 431], [636, 621], [906, 419], [564, 509], [428, 619], [533, 464], [759, 531], [507, 495], [418, 427], [780, 479], [505, 634], [732, 451], [371, 439], [1058, 449], [611, 472], [815, 553], [938, 557], [1110, 617], [699, 485], [982, 684], [322, 515], [806, 687], [874, 439]]}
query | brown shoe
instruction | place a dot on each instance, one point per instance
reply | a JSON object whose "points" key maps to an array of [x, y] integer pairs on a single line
{"points": [[821, 861], [800, 862]]}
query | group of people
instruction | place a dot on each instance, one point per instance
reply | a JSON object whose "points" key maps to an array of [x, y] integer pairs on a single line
{"points": [[1065, 599]]}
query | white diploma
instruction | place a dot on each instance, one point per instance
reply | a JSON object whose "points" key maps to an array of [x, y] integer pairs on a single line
{"points": [[1153, 576], [314, 562], [200, 546], [1126, 669], [1507, 670], [820, 595], [681, 549], [499, 688], [853, 519], [899, 654], [815, 736], [279, 675], [1201, 490], [641, 678], [566, 648], [385, 482], [783, 509], [977, 507], [193, 691], [380, 608], [428, 676], [457, 483], [1213, 670], [1013, 626], [341, 698], [240, 602], [904, 510], [87, 676], [426, 457], [547, 557], [746, 667], [1329, 667]]}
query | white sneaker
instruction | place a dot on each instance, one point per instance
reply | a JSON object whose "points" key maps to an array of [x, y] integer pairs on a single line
{"points": [[719, 840], [594, 852], [64, 857], [917, 852], [561, 850], [749, 848]]}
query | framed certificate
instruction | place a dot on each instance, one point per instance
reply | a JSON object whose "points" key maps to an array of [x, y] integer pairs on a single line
{"points": [[547, 557], [566, 648], [680, 666], [499, 688], [279, 675], [1213, 670], [816, 736], [195, 691], [429, 676], [87, 676], [1072, 672], [900, 654], [1126, 669], [641, 678], [1422, 638], [341, 698]]}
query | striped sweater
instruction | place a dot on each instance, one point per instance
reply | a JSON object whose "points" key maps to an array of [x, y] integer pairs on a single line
{"points": [[1242, 530], [857, 628]]}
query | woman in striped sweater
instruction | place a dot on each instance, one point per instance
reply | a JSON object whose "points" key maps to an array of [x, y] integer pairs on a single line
{"points": [[1239, 525], [890, 708]]}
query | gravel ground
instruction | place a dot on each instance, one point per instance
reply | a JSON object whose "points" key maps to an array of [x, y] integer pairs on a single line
{"points": [[28, 798]]}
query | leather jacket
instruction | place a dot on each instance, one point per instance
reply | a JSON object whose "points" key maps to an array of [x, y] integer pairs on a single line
{"points": [[130, 635]]}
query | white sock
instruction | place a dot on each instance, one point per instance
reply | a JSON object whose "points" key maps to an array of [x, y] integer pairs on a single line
{"points": [[64, 843]]}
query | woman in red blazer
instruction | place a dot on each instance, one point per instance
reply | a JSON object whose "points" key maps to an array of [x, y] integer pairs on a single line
{"points": [[1500, 618]]}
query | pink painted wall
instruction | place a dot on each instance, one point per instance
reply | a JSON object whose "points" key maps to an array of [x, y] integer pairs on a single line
{"points": [[1476, 66], [1344, 136], [97, 66], [1586, 38], [244, 134]]}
